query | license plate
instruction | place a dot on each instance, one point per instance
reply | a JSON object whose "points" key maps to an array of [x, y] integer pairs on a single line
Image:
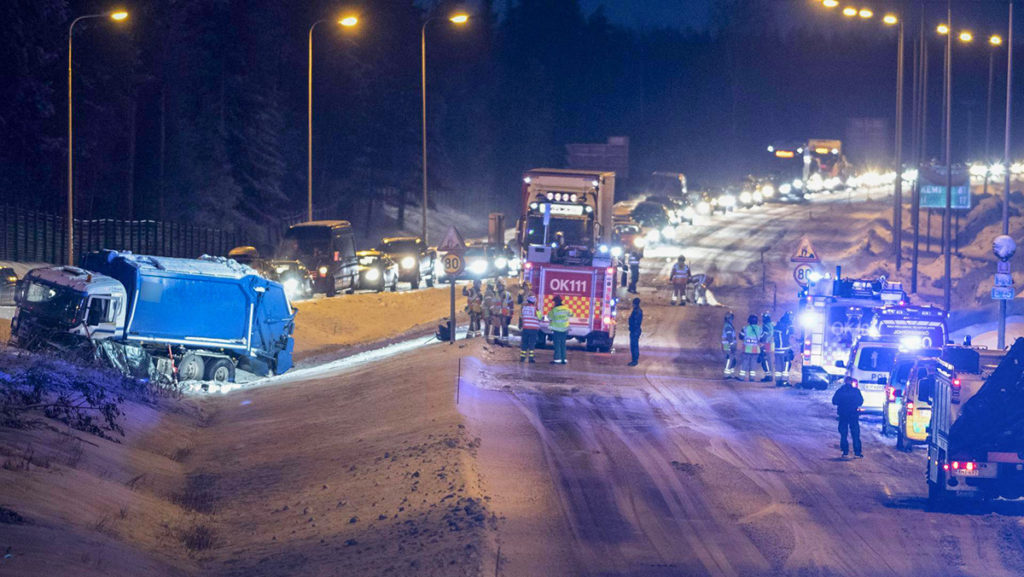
{"points": [[966, 473]]}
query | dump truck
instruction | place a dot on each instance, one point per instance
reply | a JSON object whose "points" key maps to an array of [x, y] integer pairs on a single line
{"points": [[156, 317], [976, 434]]}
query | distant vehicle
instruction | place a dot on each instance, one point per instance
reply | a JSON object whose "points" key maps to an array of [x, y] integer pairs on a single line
{"points": [[483, 261], [416, 261], [916, 410], [871, 359], [896, 384], [247, 255], [376, 271], [8, 283], [630, 237], [326, 247], [976, 434], [158, 317], [296, 279], [674, 206]]}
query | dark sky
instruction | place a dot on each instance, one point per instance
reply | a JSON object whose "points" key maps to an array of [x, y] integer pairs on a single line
{"points": [[653, 13]]}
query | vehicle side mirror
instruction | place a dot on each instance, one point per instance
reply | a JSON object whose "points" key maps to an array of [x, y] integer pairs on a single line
{"points": [[840, 364], [883, 380]]}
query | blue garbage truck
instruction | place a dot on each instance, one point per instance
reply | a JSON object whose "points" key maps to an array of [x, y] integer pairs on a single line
{"points": [[159, 317]]}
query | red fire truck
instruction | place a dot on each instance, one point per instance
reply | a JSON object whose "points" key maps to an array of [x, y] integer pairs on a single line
{"points": [[564, 234]]}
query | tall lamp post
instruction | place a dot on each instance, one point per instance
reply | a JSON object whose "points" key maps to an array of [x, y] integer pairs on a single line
{"points": [[348, 22], [897, 201], [458, 18], [118, 16], [1001, 333]]}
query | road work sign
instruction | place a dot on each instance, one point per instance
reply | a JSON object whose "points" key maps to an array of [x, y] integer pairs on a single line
{"points": [[452, 240], [805, 252]]}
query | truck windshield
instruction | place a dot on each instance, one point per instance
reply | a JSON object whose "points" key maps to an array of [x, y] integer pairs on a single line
{"points": [[576, 231], [59, 303], [403, 246], [305, 242]]}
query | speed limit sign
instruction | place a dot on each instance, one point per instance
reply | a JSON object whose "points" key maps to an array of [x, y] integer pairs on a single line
{"points": [[453, 263], [801, 274]]}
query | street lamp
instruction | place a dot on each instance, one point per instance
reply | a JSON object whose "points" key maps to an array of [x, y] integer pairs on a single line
{"points": [[865, 13], [457, 18], [830, 3], [966, 36], [347, 22], [117, 16], [849, 12]]}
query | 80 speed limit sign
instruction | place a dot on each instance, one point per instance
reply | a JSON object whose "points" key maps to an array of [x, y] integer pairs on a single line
{"points": [[801, 274], [453, 263]]}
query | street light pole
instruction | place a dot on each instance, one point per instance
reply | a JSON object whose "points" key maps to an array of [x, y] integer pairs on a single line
{"points": [[119, 15], [947, 215], [423, 102], [309, 126], [897, 208], [1001, 333], [922, 152]]}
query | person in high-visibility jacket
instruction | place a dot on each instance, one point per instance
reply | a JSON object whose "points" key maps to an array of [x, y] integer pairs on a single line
{"points": [[766, 340], [751, 335], [729, 345], [558, 322], [529, 321], [507, 310], [679, 278], [782, 343]]}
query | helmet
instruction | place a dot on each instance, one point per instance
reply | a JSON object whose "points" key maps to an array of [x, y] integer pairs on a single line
{"points": [[729, 316], [682, 258], [531, 299], [766, 317], [752, 319]]}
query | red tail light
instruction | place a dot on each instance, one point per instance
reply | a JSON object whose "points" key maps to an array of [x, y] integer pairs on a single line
{"points": [[890, 393], [969, 466], [910, 411], [956, 465]]}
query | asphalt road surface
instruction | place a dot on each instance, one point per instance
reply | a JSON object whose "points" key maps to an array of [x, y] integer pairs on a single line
{"points": [[665, 469]]}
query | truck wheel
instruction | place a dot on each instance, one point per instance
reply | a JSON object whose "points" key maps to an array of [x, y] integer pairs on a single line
{"points": [[415, 284], [191, 367], [221, 371], [937, 493], [430, 281], [331, 289]]}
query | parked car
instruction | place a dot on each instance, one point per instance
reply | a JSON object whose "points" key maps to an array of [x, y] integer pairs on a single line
{"points": [[8, 283], [326, 247], [484, 261], [296, 279], [376, 271], [416, 261]]}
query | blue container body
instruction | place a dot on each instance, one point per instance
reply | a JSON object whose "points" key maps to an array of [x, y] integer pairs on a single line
{"points": [[211, 304]]}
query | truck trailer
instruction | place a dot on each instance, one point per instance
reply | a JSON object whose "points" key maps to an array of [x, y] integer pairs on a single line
{"points": [[159, 317]]}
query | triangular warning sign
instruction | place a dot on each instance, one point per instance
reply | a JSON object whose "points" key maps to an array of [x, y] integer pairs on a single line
{"points": [[805, 252], [452, 240]]}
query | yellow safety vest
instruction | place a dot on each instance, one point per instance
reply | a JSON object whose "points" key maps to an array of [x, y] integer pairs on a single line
{"points": [[559, 318]]}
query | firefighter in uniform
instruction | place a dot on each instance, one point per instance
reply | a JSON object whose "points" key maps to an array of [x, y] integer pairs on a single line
{"points": [[475, 308], [497, 319], [558, 322], [529, 322], [751, 335], [782, 343], [680, 277], [507, 310], [767, 355], [488, 306], [729, 345], [634, 271]]}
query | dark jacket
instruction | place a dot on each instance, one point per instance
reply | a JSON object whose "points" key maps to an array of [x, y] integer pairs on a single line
{"points": [[636, 318], [847, 400]]}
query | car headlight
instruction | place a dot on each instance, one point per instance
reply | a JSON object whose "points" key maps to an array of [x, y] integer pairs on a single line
{"points": [[616, 251], [727, 200], [653, 236], [639, 242], [291, 286], [408, 262], [785, 188], [500, 262], [768, 191], [478, 267], [323, 271], [758, 197], [372, 274], [745, 197], [688, 212], [704, 207], [515, 263]]}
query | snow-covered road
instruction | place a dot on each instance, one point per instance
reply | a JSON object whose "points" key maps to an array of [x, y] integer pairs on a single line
{"points": [[600, 469]]}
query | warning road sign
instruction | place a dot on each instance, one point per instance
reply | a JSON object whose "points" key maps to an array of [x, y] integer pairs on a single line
{"points": [[805, 252], [452, 241]]}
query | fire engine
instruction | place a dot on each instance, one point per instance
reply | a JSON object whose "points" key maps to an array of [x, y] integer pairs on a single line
{"points": [[565, 232]]}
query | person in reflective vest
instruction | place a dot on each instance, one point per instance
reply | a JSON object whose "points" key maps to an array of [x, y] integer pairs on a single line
{"points": [[679, 278], [529, 322], [782, 343], [507, 310], [475, 308], [558, 322], [729, 345], [751, 335], [767, 354], [488, 308]]}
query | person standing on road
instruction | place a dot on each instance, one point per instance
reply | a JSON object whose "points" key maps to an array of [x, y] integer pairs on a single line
{"points": [[636, 320], [475, 308], [529, 322], [507, 310], [558, 322], [729, 345], [782, 343], [488, 307], [497, 318], [767, 350], [634, 271], [751, 336], [848, 401], [680, 277]]}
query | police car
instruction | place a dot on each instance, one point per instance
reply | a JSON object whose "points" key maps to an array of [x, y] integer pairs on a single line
{"points": [[871, 360]]}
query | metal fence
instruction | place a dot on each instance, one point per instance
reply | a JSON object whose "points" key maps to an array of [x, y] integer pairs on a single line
{"points": [[32, 236]]}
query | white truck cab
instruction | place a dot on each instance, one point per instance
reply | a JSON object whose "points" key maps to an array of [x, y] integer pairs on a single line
{"points": [[80, 302]]}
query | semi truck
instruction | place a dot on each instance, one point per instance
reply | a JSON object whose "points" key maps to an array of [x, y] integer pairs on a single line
{"points": [[158, 317], [565, 236], [976, 434]]}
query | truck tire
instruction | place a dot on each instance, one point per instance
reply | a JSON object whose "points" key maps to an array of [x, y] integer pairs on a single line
{"points": [[331, 289], [937, 493], [415, 284], [220, 371], [191, 367], [430, 281]]}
